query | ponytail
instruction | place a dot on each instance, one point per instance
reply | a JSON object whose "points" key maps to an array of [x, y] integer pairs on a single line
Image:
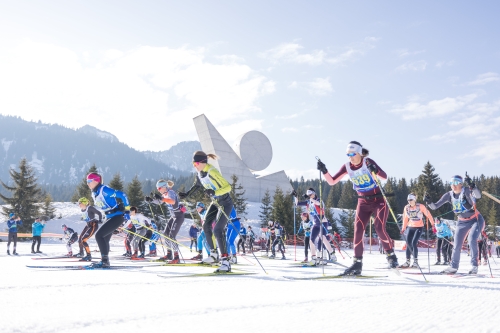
{"points": [[365, 152], [213, 156]]}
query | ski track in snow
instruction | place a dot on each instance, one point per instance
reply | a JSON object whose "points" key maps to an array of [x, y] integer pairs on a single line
{"points": [[36, 300]]}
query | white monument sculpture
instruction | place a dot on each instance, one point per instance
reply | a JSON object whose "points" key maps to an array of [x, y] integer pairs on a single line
{"points": [[254, 153]]}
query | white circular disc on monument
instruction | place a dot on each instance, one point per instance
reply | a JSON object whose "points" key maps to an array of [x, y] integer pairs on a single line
{"points": [[255, 150]]}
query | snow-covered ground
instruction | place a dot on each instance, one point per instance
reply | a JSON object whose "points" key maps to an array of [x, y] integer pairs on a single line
{"points": [[138, 300]]}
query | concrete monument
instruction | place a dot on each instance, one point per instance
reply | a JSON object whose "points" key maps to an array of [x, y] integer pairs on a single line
{"points": [[253, 153]]}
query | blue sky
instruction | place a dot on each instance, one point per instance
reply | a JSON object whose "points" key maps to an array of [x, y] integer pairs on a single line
{"points": [[411, 81]]}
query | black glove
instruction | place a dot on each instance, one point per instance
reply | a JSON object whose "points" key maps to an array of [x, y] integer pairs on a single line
{"points": [[472, 185], [209, 192], [148, 199], [322, 167], [469, 181], [372, 167], [427, 198], [182, 195], [294, 193], [203, 174], [158, 197], [306, 196]]}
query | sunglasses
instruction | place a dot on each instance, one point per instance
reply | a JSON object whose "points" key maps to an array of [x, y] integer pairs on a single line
{"points": [[456, 182], [89, 181], [196, 163], [411, 200], [351, 154]]}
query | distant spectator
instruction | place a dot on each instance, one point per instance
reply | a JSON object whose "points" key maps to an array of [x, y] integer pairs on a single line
{"points": [[12, 224], [37, 229]]}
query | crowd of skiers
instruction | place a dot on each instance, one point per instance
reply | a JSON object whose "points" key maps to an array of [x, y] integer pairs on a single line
{"points": [[220, 226]]}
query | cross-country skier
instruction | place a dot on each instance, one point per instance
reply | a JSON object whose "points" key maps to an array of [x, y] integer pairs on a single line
{"points": [[202, 240], [36, 230], [105, 198], [141, 224], [154, 237], [370, 202], [232, 232], [463, 200], [193, 235], [413, 214], [176, 219], [318, 234], [482, 243], [277, 230], [93, 217], [71, 236], [251, 238], [306, 226], [243, 238], [12, 224], [443, 234], [217, 188]]}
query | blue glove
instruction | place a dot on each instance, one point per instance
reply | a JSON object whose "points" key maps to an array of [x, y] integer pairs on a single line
{"points": [[126, 215]]}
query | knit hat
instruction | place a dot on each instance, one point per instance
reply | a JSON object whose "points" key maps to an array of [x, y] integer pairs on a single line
{"points": [[199, 156]]}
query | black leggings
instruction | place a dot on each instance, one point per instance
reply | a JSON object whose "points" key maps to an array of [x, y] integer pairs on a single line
{"points": [[412, 238], [483, 249], [103, 235], [278, 241], [306, 245], [498, 250], [12, 238], [36, 240], [226, 203], [85, 235], [172, 229], [444, 246], [250, 244], [242, 243], [142, 241]]}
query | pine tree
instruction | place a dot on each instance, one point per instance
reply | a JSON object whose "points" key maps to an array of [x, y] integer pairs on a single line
{"points": [[492, 221], [329, 205], [266, 209], [237, 193], [25, 195], [430, 182], [282, 211], [346, 220], [391, 227], [116, 182], [83, 190], [134, 193], [349, 197], [46, 208]]}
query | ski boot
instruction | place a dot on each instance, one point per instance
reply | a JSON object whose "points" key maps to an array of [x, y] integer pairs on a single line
{"points": [[199, 256], [406, 264], [69, 254], [333, 257], [233, 259], [306, 260], [134, 256], [33, 252], [272, 256], [88, 257], [104, 263], [141, 256], [439, 262], [213, 258], [485, 262], [447, 263], [473, 270], [314, 261], [80, 255], [15, 253], [176, 259], [415, 264], [355, 269], [283, 257], [168, 256], [127, 254], [38, 251], [8, 252], [392, 259], [449, 270], [225, 266], [152, 253]]}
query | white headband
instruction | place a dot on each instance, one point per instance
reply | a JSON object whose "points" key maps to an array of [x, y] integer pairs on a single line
{"points": [[412, 197], [354, 148], [309, 192]]}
